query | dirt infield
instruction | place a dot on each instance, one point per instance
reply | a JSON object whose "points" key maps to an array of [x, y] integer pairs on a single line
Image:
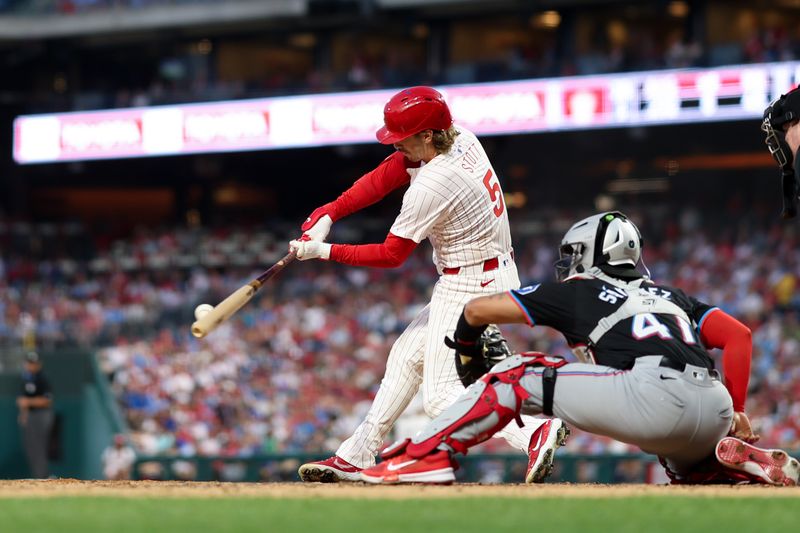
{"points": [[176, 489]]}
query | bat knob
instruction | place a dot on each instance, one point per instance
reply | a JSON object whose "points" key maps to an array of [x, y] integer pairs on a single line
{"points": [[197, 331]]}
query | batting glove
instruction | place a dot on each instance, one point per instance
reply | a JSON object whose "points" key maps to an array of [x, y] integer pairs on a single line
{"points": [[318, 223], [306, 250], [319, 231]]}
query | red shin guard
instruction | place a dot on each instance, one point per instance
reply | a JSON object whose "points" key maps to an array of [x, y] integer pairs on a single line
{"points": [[479, 401], [485, 405]]}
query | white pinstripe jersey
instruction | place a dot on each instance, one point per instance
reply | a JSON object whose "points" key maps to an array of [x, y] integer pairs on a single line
{"points": [[456, 202]]}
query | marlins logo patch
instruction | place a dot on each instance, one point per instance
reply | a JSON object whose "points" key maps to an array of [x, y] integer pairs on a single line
{"points": [[529, 289]]}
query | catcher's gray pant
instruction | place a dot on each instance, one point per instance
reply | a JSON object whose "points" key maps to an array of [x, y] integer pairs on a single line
{"points": [[679, 416], [420, 357]]}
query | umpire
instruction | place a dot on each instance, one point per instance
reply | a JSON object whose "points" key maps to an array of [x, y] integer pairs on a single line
{"points": [[35, 415]]}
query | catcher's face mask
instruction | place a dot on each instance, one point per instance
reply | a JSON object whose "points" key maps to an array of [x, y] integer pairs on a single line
{"points": [[776, 142], [569, 256], [780, 114]]}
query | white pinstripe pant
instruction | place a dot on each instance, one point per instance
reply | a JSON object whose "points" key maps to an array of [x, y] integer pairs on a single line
{"points": [[419, 356]]}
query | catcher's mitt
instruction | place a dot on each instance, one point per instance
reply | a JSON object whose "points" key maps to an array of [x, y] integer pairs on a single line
{"points": [[782, 111], [473, 360]]}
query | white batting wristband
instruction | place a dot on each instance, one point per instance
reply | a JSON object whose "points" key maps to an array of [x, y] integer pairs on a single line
{"points": [[324, 250]]}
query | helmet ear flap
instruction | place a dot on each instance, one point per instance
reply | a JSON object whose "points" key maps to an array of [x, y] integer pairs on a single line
{"points": [[624, 247], [599, 256]]}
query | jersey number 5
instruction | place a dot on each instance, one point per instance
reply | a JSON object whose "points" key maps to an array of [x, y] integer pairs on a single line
{"points": [[492, 185]]}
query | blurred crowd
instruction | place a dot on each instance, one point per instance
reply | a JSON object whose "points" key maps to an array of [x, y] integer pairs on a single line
{"points": [[182, 78], [367, 55], [71, 7], [295, 370]]}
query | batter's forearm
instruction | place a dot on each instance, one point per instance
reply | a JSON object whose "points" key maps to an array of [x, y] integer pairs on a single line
{"points": [[371, 187], [362, 194], [391, 253]]}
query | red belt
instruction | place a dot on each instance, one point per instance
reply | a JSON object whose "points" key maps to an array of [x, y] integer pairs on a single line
{"points": [[488, 265]]}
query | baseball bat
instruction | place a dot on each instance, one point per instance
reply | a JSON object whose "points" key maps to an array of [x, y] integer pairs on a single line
{"points": [[227, 307]]}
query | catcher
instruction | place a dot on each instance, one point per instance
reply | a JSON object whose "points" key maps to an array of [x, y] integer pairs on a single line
{"points": [[781, 124], [645, 377]]}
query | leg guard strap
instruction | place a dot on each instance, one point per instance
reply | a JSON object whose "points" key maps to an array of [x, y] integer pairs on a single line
{"points": [[548, 389], [511, 371]]}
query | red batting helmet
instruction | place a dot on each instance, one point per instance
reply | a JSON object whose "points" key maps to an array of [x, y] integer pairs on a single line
{"points": [[411, 111]]}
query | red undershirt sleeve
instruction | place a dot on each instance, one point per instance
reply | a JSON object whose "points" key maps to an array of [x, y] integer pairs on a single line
{"points": [[390, 253], [372, 186], [721, 330]]}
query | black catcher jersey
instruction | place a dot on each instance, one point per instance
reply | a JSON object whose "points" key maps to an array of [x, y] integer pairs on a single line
{"points": [[575, 308]]}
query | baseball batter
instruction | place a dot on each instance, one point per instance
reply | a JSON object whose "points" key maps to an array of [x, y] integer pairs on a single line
{"points": [[645, 376], [454, 199]]}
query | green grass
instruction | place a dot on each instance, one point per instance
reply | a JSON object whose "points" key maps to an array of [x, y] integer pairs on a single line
{"points": [[547, 515]]}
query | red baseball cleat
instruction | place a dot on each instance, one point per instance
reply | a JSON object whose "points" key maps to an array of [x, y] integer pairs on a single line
{"points": [[707, 472], [331, 470], [437, 467], [541, 450], [773, 467]]}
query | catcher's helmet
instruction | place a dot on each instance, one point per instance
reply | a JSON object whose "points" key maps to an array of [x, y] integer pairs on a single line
{"points": [[603, 239], [411, 111]]}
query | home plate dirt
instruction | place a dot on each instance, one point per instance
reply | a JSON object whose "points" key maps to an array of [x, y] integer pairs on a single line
{"points": [[181, 489]]}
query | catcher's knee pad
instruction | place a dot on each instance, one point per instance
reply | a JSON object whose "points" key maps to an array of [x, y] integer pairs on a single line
{"points": [[512, 369], [479, 401]]}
